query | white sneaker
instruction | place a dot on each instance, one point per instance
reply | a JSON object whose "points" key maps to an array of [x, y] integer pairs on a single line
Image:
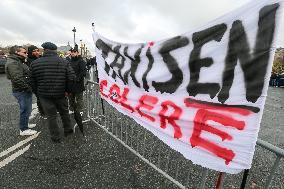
{"points": [[31, 125], [28, 132]]}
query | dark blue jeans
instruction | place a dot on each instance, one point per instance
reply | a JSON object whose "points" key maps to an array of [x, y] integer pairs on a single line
{"points": [[25, 102]]}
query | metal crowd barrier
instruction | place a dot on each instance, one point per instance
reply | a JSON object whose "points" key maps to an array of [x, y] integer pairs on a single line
{"points": [[279, 154], [169, 163]]}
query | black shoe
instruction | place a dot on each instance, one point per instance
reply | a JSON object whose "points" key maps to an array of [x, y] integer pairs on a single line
{"points": [[69, 132], [56, 140]]}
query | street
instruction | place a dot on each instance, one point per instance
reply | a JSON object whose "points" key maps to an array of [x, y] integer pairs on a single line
{"points": [[98, 161]]}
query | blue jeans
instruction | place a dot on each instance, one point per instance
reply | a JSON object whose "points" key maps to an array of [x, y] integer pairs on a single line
{"points": [[25, 102]]}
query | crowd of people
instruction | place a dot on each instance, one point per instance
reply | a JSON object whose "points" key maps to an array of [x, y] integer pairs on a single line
{"points": [[276, 80], [57, 82]]}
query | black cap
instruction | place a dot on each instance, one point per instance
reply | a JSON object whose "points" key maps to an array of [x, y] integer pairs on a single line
{"points": [[31, 49], [49, 45]]}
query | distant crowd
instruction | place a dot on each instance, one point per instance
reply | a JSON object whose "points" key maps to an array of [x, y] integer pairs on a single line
{"points": [[56, 81], [90, 61], [276, 80]]}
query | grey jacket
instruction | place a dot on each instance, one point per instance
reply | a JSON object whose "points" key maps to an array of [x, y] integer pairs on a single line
{"points": [[18, 73]]}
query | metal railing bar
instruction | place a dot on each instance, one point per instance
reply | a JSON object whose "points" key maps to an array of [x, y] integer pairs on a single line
{"points": [[144, 143], [168, 162], [159, 156], [222, 180], [132, 133], [244, 180], [112, 126], [116, 127], [152, 149], [278, 151], [275, 166], [203, 178], [126, 140], [177, 168], [121, 131], [137, 140]]}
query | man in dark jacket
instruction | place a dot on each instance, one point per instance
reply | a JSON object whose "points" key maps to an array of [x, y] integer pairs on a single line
{"points": [[19, 75], [76, 96], [33, 54], [52, 77]]}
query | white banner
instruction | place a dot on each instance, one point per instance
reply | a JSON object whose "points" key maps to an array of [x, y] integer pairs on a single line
{"points": [[203, 92]]}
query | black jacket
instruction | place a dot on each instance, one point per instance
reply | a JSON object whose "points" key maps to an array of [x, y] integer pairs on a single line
{"points": [[79, 67], [51, 76], [29, 60]]}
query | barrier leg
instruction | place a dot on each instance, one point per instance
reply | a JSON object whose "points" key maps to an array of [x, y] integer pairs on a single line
{"points": [[245, 176]]}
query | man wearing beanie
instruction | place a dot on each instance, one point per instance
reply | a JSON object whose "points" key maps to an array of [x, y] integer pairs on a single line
{"points": [[76, 96], [51, 78], [33, 54]]}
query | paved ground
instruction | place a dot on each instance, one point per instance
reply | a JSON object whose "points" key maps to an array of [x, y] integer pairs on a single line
{"points": [[98, 161]]}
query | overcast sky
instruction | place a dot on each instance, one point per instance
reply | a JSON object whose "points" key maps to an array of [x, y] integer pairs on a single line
{"points": [[37, 21]]}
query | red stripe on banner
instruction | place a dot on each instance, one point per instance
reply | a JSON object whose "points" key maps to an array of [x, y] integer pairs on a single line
{"points": [[242, 110]]}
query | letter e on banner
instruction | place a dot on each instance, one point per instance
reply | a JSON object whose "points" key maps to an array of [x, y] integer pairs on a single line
{"points": [[142, 104], [171, 119]]}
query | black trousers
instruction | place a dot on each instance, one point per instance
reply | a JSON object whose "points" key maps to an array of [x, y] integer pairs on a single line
{"points": [[50, 107], [77, 105], [39, 107]]}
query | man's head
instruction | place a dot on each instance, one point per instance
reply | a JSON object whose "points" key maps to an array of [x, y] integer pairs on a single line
{"points": [[74, 51], [33, 51], [18, 50], [49, 46]]}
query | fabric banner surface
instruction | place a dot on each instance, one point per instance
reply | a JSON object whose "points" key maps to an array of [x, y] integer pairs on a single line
{"points": [[203, 92]]}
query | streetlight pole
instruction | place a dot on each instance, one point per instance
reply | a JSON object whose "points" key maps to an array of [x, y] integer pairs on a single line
{"points": [[84, 48], [81, 46], [74, 31]]}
